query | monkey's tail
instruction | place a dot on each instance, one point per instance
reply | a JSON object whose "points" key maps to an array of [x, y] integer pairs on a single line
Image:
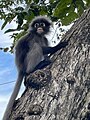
{"points": [[13, 97]]}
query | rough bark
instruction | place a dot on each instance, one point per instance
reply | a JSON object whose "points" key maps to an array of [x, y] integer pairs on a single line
{"points": [[61, 91]]}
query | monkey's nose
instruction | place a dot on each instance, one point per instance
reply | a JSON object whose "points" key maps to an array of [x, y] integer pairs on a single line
{"points": [[40, 30]]}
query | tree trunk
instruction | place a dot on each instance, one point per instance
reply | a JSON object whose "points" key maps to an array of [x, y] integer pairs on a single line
{"points": [[61, 91]]}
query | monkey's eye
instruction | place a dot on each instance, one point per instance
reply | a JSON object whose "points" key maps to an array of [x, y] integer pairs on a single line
{"points": [[42, 24], [36, 25]]}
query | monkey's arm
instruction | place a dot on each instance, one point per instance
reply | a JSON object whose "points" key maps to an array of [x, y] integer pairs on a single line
{"points": [[52, 50]]}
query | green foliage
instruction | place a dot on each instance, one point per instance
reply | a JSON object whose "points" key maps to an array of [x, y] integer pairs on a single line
{"points": [[65, 11], [23, 11], [87, 3]]}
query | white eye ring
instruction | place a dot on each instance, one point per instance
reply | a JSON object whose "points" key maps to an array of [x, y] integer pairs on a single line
{"points": [[36, 25], [42, 24]]}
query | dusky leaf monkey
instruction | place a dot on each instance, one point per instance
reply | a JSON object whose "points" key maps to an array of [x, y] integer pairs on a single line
{"points": [[30, 50]]}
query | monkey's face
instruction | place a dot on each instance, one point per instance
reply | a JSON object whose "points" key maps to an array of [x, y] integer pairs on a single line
{"points": [[40, 25]]}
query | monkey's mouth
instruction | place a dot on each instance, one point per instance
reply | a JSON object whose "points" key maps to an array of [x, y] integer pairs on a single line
{"points": [[40, 30]]}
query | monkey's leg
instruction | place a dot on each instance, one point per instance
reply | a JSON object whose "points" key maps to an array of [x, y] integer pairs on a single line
{"points": [[13, 97], [33, 58]]}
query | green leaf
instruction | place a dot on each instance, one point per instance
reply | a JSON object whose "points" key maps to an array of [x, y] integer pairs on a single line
{"points": [[80, 6], [4, 24], [29, 16], [8, 19], [87, 2], [61, 8], [68, 19], [19, 8], [51, 1], [66, 11], [36, 1], [43, 10], [18, 36], [28, 1], [10, 30]]}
